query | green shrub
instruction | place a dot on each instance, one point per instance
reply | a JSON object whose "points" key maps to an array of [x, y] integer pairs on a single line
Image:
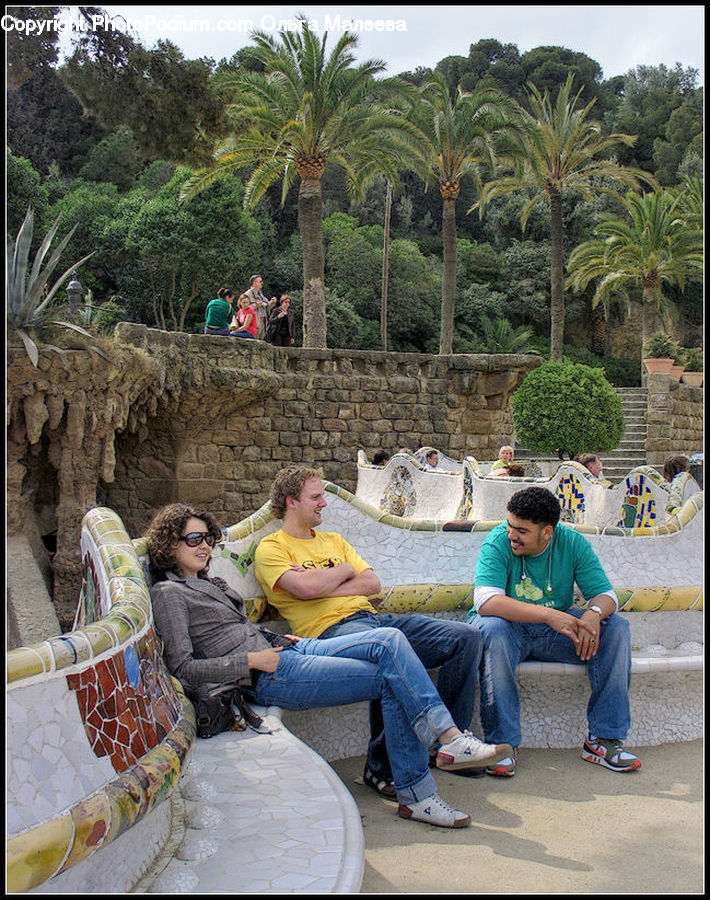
{"points": [[661, 346], [567, 408], [692, 359]]}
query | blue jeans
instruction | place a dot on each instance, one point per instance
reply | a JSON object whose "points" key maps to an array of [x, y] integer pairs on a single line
{"points": [[362, 666], [213, 329], [453, 647], [242, 334], [505, 644]]}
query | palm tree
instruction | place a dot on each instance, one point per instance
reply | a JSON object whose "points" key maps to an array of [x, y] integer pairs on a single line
{"points": [[557, 155], [461, 135], [660, 242], [305, 111]]}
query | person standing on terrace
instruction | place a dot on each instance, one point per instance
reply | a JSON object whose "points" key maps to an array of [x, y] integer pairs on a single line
{"points": [[208, 639], [322, 587], [523, 608], [260, 304]]}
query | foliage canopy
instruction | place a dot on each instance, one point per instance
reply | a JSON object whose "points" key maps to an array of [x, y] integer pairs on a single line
{"points": [[567, 408]]}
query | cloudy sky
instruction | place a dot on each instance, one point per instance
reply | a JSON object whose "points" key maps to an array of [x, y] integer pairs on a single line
{"points": [[619, 38]]}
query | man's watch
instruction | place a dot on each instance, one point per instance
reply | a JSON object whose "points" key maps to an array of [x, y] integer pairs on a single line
{"points": [[597, 610]]}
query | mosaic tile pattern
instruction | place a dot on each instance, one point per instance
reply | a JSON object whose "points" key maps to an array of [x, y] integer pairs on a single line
{"points": [[128, 703], [466, 508], [107, 706], [50, 765], [54, 846], [666, 694], [405, 487], [400, 496], [638, 509], [570, 495], [100, 687], [463, 492]]}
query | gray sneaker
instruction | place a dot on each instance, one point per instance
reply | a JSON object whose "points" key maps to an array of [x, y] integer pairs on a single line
{"points": [[466, 752], [434, 811]]}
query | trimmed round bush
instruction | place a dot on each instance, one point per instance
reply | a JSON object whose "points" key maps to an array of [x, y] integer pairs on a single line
{"points": [[567, 408]]}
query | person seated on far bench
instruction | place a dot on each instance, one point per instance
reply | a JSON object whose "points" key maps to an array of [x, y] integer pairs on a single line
{"points": [[593, 464], [208, 638]]}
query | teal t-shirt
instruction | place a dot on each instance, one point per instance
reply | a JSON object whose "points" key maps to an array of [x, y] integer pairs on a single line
{"points": [[218, 313], [567, 559]]}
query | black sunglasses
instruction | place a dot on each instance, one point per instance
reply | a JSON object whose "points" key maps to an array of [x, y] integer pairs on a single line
{"points": [[195, 538]]}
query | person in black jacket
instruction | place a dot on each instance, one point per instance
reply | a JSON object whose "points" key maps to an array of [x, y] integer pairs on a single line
{"points": [[281, 330]]}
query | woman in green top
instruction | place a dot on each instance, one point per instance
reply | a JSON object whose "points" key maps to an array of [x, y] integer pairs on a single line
{"points": [[218, 313]]}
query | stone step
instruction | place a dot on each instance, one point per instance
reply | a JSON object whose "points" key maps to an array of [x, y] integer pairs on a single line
{"points": [[623, 453]]}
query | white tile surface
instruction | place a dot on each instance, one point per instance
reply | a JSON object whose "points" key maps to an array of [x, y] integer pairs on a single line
{"points": [[264, 814]]}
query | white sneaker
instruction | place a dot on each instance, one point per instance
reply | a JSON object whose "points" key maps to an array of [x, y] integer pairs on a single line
{"points": [[466, 751], [434, 811]]}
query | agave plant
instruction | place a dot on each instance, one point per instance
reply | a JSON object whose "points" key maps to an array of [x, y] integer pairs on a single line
{"points": [[27, 292]]}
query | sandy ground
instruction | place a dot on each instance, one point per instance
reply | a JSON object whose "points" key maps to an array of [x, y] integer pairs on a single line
{"points": [[561, 825]]}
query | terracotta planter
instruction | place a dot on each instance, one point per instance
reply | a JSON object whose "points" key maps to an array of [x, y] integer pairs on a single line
{"points": [[694, 379], [677, 371], [662, 365]]}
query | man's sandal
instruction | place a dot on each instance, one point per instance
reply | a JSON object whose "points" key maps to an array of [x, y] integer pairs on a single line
{"points": [[382, 786]]}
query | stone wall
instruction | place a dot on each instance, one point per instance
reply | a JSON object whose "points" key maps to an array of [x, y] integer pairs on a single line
{"points": [[674, 418], [210, 420]]}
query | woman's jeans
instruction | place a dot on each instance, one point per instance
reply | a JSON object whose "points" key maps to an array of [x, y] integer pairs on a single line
{"points": [[454, 648], [242, 334], [506, 644], [363, 666]]}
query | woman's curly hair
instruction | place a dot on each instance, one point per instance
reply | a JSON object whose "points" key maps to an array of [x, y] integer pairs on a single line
{"points": [[165, 531]]}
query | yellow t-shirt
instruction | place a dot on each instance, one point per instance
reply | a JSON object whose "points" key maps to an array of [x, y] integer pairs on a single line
{"points": [[276, 554]]}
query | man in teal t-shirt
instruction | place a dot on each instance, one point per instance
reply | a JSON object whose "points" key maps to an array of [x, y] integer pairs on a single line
{"points": [[523, 606]]}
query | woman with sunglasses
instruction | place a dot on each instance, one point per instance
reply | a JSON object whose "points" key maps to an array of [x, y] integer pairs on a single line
{"points": [[207, 637]]}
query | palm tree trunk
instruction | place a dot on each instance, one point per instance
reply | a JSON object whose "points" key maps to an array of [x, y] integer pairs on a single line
{"points": [[310, 223], [385, 266], [557, 290], [598, 331], [448, 281]]}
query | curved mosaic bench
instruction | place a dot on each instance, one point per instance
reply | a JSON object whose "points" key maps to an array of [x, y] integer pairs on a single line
{"points": [[99, 736], [406, 551], [108, 789], [657, 573], [404, 486]]}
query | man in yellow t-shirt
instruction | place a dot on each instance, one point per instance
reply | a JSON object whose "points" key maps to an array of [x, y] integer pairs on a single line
{"points": [[280, 556], [321, 584]]}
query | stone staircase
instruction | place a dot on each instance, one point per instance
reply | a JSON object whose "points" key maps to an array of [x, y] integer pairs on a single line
{"points": [[631, 452]]}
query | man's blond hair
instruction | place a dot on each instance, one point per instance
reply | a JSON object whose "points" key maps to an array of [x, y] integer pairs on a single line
{"points": [[289, 482]]}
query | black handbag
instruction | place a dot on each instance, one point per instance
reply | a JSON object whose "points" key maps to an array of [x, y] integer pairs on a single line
{"points": [[221, 707]]}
